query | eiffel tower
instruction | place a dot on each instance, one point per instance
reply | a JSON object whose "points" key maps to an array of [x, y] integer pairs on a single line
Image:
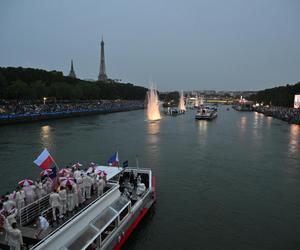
{"points": [[102, 74], [72, 71]]}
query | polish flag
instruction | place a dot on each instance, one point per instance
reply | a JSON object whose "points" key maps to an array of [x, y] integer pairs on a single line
{"points": [[44, 160]]}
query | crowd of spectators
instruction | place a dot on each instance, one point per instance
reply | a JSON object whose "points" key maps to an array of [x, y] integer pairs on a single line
{"points": [[27, 107], [291, 115]]}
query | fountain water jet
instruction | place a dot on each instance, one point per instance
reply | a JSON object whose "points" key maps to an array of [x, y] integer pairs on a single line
{"points": [[196, 105], [181, 105], [153, 113]]}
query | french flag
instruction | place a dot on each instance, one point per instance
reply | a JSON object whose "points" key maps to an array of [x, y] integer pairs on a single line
{"points": [[114, 160], [44, 160]]}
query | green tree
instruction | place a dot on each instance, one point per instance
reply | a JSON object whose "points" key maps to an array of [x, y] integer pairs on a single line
{"points": [[18, 90]]}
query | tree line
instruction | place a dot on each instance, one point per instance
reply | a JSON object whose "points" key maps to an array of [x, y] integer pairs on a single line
{"points": [[34, 84], [278, 96]]}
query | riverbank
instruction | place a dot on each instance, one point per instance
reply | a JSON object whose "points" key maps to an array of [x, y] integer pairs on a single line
{"points": [[33, 112], [289, 115]]}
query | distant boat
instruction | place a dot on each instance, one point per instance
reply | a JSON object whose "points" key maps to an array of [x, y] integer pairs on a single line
{"points": [[174, 111], [206, 113], [243, 107]]}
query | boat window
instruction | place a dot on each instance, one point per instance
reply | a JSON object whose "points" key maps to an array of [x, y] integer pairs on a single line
{"points": [[104, 218], [124, 213], [119, 204], [145, 179], [109, 229], [83, 239], [115, 178]]}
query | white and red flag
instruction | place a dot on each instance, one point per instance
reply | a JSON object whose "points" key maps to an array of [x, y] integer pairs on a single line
{"points": [[44, 160]]}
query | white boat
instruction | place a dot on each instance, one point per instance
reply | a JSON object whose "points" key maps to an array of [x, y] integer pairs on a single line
{"points": [[206, 113], [105, 221]]}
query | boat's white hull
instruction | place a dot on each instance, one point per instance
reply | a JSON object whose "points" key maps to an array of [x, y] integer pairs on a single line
{"points": [[124, 231], [206, 117]]}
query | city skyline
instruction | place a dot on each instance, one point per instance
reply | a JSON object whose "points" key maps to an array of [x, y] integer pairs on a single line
{"points": [[237, 45]]}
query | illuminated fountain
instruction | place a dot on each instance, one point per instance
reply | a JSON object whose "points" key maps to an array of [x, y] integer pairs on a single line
{"points": [[181, 105], [201, 101], [153, 113], [196, 105]]}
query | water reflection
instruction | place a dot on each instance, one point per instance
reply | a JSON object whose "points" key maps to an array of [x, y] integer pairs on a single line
{"points": [[202, 130], [294, 139], [258, 120], [269, 121], [257, 134], [153, 140], [243, 123], [153, 132], [45, 134]]}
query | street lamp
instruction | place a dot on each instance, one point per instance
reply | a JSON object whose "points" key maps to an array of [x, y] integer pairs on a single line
{"points": [[45, 98]]}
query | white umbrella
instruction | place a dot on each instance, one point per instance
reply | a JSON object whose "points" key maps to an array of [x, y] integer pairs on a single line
{"points": [[67, 181]]}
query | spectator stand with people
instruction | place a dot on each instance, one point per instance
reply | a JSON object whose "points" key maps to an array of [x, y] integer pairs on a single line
{"points": [[18, 111]]}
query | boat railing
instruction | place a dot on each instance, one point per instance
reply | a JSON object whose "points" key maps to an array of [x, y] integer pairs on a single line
{"points": [[31, 211], [111, 188]]}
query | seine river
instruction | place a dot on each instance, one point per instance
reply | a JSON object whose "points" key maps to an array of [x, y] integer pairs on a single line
{"points": [[232, 183]]}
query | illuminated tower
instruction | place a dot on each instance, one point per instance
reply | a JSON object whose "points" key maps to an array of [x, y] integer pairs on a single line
{"points": [[102, 74], [72, 72]]}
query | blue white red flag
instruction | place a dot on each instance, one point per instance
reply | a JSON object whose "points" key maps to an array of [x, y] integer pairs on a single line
{"points": [[125, 164], [114, 160], [44, 160]]}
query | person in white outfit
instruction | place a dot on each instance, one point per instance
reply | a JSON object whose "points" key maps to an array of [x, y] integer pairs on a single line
{"points": [[20, 198], [15, 239], [63, 199], [47, 186], [93, 176], [12, 196], [139, 179], [43, 225], [11, 217], [75, 197], [87, 183], [70, 199], [29, 194], [80, 190], [8, 204], [54, 200], [100, 186], [77, 173], [40, 192]]}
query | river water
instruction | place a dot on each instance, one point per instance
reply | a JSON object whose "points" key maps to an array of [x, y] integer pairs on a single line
{"points": [[231, 183]]}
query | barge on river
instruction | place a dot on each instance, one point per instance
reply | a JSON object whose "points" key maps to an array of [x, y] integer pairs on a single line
{"points": [[104, 222], [206, 113]]}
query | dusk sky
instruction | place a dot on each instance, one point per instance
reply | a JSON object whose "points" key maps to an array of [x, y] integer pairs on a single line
{"points": [[179, 45]]}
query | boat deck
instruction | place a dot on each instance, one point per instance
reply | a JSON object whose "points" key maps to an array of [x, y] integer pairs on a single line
{"points": [[29, 230], [116, 211]]}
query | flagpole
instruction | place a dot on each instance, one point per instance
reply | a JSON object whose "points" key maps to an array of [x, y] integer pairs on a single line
{"points": [[137, 161], [118, 159], [53, 161], [56, 184]]}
